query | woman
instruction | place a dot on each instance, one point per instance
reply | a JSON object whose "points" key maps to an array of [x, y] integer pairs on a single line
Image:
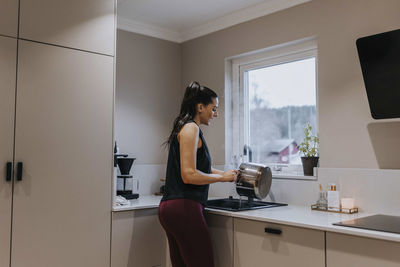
{"points": [[189, 174]]}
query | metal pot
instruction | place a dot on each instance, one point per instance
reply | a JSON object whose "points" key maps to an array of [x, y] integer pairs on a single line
{"points": [[254, 180]]}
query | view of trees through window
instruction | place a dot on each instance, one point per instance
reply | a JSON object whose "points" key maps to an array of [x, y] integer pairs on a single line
{"points": [[281, 101]]}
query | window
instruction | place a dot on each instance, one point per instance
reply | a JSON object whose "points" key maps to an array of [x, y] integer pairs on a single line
{"points": [[274, 96]]}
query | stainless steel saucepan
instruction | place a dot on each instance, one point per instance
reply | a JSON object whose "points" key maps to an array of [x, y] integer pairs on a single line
{"points": [[254, 180]]}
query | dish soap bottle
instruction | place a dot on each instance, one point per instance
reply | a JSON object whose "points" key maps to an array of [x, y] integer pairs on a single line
{"points": [[333, 198]]}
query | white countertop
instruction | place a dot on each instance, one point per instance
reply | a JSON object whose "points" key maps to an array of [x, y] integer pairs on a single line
{"points": [[143, 202], [300, 216]]}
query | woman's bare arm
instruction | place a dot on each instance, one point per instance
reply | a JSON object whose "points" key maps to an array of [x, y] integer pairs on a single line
{"points": [[216, 171]]}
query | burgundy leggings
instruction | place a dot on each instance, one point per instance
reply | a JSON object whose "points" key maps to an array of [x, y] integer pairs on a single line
{"points": [[188, 237]]}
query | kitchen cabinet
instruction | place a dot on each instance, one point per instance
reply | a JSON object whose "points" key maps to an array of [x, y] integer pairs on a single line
{"points": [[352, 251], [138, 239], [56, 117], [221, 232], [54, 221], [282, 246], [9, 17], [87, 25], [63, 136], [8, 52]]}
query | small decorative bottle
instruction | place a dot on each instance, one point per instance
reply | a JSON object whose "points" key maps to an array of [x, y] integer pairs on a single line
{"points": [[322, 202]]}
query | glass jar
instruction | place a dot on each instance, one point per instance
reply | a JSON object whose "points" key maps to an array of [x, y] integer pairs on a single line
{"points": [[322, 202]]}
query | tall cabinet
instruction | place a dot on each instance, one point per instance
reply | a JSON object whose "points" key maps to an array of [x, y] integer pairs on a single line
{"points": [[8, 52], [9, 18], [56, 118]]}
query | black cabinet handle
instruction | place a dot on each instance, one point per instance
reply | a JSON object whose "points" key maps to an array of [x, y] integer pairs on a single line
{"points": [[19, 171], [273, 231], [8, 171]]}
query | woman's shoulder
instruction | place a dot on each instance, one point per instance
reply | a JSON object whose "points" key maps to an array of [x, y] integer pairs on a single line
{"points": [[190, 128]]}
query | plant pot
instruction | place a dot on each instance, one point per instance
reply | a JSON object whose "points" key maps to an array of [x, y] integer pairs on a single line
{"points": [[308, 165]]}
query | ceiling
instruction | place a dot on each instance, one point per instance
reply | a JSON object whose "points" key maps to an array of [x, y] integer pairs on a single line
{"points": [[182, 20]]}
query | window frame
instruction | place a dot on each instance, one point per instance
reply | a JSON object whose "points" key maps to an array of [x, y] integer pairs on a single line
{"points": [[280, 54]]}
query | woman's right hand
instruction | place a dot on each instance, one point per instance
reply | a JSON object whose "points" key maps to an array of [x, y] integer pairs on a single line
{"points": [[229, 176]]}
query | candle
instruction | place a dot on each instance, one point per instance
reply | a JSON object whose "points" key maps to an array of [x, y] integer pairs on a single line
{"points": [[347, 203]]}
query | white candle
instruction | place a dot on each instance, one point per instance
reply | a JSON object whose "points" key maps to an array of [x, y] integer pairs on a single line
{"points": [[347, 203]]}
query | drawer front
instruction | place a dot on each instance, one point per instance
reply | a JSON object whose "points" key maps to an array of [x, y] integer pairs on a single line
{"points": [[261, 244], [221, 232], [353, 251], [138, 239]]}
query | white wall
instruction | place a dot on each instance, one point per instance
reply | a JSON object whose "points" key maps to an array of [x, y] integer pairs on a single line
{"points": [[346, 129], [148, 92]]}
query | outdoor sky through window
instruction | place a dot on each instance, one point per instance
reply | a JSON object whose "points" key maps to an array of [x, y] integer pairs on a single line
{"points": [[287, 84]]}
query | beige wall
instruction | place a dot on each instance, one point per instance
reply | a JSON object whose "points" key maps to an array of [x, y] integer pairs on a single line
{"points": [[344, 115], [148, 92]]}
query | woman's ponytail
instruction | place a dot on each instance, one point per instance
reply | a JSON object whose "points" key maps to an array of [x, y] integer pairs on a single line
{"points": [[194, 94]]}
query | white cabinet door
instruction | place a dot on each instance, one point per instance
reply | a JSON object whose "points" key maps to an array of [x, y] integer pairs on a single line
{"points": [[138, 239], [9, 17], [221, 231], [352, 251], [8, 55], [87, 25], [294, 246], [63, 136]]}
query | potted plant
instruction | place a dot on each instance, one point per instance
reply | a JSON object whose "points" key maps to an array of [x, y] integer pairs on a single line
{"points": [[309, 148]]}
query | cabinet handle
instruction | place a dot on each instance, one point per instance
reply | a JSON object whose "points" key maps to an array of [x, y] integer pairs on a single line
{"points": [[273, 231], [8, 171], [19, 171]]}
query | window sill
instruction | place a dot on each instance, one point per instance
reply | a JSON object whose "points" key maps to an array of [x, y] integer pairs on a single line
{"points": [[295, 175]]}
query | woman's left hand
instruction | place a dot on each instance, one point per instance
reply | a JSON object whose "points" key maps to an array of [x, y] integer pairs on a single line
{"points": [[229, 176]]}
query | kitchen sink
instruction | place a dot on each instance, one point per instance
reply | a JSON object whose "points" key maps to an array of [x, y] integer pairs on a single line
{"points": [[233, 204]]}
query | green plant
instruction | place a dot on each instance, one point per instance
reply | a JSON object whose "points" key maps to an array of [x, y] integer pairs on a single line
{"points": [[309, 146]]}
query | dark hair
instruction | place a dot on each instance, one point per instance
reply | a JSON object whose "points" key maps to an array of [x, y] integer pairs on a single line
{"points": [[194, 94]]}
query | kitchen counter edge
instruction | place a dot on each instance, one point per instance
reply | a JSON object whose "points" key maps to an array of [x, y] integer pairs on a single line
{"points": [[292, 215]]}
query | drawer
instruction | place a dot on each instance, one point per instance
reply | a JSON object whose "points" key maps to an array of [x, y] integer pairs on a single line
{"points": [[353, 251], [259, 244]]}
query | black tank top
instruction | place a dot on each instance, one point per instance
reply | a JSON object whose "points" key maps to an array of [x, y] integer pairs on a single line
{"points": [[174, 186]]}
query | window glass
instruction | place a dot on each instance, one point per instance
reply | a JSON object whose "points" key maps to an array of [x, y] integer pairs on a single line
{"points": [[281, 100]]}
